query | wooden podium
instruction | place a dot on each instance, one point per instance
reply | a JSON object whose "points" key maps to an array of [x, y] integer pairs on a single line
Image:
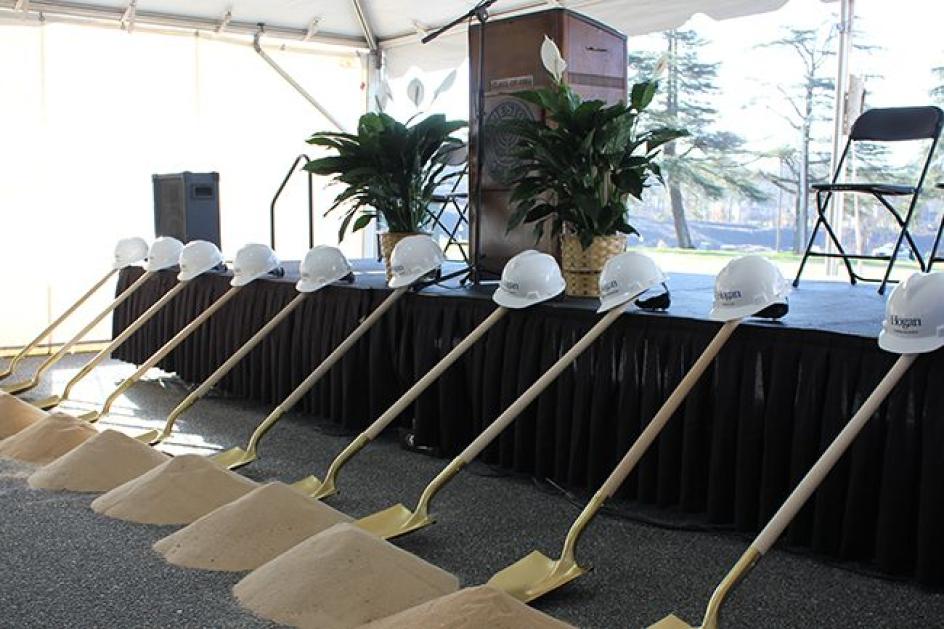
{"points": [[596, 69]]}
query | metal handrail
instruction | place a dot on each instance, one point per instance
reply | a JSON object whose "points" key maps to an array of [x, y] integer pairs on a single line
{"points": [[311, 203]]}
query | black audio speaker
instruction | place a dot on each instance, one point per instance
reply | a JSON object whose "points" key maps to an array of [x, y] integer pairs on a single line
{"points": [[187, 206]]}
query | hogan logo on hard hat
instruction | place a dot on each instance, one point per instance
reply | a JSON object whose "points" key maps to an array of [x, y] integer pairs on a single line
{"points": [[609, 288], [728, 295], [905, 324]]}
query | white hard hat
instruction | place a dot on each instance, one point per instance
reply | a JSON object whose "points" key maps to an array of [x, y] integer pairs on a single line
{"points": [[527, 279], [163, 254], [322, 265], [746, 286], [627, 276], [914, 315], [198, 256], [252, 262], [412, 258], [130, 250]]}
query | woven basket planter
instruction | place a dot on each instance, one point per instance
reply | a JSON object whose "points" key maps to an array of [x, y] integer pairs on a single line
{"points": [[582, 267], [389, 240]]}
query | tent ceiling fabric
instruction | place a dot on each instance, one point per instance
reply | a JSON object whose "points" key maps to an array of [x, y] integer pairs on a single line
{"points": [[396, 23], [633, 17]]}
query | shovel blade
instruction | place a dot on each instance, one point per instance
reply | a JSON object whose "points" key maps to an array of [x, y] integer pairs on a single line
{"points": [[535, 575], [18, 387], [233, 458], [308, 486], [5, 373], [150, 437], [393, 522], [48, 403], [91, 416], [672, 622]]}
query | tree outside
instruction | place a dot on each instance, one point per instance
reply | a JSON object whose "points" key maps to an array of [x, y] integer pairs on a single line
{"points": [[805, 103], [712, 162]]}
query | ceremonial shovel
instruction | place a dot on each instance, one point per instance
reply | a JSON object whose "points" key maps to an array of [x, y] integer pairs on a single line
{"points": [[11, 366], [237, 457], [537, 574], [55, 400], [26, 385], [159, 355], [317, 489], [398, 520], [154, 437], [763, 542]]}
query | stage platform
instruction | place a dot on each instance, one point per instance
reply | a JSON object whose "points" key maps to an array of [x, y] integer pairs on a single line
{"points": [[774, 399]]}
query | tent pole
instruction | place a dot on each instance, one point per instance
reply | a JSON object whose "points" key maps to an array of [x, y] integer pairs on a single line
{"points": [[365, 25], [73, 12], [285, 75], [375, 70], [846, 17]]}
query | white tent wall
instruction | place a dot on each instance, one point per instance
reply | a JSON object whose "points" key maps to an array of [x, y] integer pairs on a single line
{"points": [[90, 113], [99, 109]]}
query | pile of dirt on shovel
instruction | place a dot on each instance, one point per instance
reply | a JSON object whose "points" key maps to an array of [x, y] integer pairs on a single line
{"points": [[471, 608], [15, 415], [342, 577], [178, 491], [47, 439], [249, 531], [105, 461]]}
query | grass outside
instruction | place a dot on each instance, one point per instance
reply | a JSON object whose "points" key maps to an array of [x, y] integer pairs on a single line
{"points": [[673, 260], [709, 262]]}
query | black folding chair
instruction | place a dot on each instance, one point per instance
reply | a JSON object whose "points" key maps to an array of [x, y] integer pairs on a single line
{"points": [[453, 200], [458, 203], [894, 124], [937, 239]]}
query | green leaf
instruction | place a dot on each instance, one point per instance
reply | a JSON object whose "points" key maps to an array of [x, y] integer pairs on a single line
{"points": [[344, 224], [630, 182], [657, 137], [363, 221], [585, 238], [388, 166], [582, 163], [642, 94], [517, 218]]}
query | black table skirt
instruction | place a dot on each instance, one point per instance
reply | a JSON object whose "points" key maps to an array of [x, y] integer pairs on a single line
{"points": [[772, 402]]}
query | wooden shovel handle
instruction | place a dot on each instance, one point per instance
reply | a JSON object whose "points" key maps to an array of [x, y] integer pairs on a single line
{"points": [[831, 456], [186, 331], [504, 420], [58, 321], [295, 396], [652, 430], [52, 360], [168, 347], [237, 356], [433, 374], [340, 350], [121, 338]]}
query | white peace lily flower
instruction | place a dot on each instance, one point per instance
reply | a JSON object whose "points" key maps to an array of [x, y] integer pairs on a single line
{"points": [[445, 85], [661, 66], [416, 91], [552, 59]]}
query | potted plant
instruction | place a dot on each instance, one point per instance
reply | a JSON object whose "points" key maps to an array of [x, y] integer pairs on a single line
{"points": [[577, 170], [391, 171]]}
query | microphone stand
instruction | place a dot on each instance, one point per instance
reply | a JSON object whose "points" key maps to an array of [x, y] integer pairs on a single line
{"points": [[480, 13]]}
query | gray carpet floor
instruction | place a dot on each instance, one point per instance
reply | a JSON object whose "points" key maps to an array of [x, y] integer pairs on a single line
{"points": [[61, 565]]}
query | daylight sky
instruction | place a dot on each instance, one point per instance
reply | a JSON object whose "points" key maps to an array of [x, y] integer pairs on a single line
{"points": [[908, 33], [909, 48]]}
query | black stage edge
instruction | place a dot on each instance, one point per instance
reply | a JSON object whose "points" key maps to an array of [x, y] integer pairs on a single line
{"points": [[776, 396]]}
